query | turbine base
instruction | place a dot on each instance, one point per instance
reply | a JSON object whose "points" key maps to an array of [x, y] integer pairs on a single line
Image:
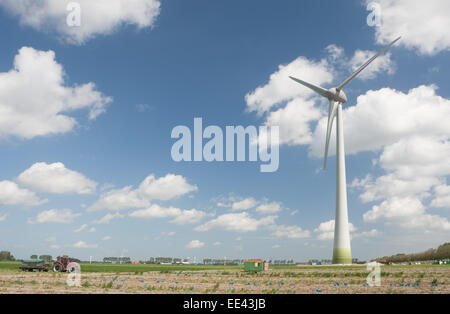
{"points": [[342, 256]]}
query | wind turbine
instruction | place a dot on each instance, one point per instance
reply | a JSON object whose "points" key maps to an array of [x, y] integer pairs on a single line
{"points": [[341, 252]]}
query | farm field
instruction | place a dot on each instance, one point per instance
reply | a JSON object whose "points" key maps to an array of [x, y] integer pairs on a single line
{"points": [[166, 279]]}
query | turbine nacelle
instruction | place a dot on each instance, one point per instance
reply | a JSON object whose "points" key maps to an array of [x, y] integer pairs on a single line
{"points": [[337, 96]]}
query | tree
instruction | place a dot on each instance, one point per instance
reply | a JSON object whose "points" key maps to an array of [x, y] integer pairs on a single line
{"points": [[6, 256], [34, 256], [47, 258]]}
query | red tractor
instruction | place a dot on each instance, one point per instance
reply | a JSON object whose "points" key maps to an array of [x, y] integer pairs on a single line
{"points": [[61, 264]]}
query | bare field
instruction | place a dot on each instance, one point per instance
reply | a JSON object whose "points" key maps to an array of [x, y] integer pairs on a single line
{"points": [[295, 280]]}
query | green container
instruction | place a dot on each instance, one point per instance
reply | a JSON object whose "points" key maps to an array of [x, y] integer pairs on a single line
{"points": [[254, 266]]}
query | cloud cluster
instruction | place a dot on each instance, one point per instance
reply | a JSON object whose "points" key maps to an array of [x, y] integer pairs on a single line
{"points": [[423, 24], [56, 179], [263, 206], [296, 109], [180, 217], [165, 188], [241, 222], [99, 17], [35, 100], [195, 244], [63, 216], [408, 131], [12, 195]]}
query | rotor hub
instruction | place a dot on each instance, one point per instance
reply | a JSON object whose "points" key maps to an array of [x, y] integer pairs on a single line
{"points": [[338, 96]]}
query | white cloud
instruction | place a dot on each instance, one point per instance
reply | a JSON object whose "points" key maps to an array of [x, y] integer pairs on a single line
{"points": [[106, 238], [81, 228], [290, 232], [217, 243], [119, 199], [3, 217], [165, 188], [107, 219], [189, 217], [282, 89], [55, 246], [63, 216], [408, 212], [99, 17], [12, 195], [269, 208], [241, 222], [276, 246], [55, 178], [245, 204], [326, 230], [84, 245], [92, 229], [181, 217], [195, 244], [423, 25], [156, 211], [386, 116], [382, 64], [366, 234], [442, 196], [35, 100]]}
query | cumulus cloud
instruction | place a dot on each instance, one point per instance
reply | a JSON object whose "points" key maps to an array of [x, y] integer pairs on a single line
{"points": [[165, 188], [281, 88], [442, 196], [423, 25], [408, 212], [295, 109], [63, 216], [106, 238], [81, 228], [180, 217], [56, 179], [290, 232], [119, 199], [100, 17], [35, 100], [386, 116], [84, 245], [195, 244], [12, 195], [107, 219], [326, 230], [241, 222], [3, 217], [244, 204], [381, 64], [269, 208]]}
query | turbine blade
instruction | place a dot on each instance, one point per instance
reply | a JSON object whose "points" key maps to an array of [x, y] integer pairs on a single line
{"points": [[331, 115], [319, 90], [365, 65]]}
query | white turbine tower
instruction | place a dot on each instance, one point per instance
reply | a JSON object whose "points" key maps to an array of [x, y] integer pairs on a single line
{"points": [[342, 251]]}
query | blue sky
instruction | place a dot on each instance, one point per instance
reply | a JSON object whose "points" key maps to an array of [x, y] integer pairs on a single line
{"points": [[156, 69]]}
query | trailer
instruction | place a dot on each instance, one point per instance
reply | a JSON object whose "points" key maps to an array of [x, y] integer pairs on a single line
{"points": [[36, 265]]}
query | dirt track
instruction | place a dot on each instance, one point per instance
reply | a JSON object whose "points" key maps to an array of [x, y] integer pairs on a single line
{"points": [[314, 280]]}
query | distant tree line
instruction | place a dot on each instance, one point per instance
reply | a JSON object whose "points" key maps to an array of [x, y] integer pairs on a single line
{"points": [[166, 260], [6, 256], [212, 261], [117, 260], [442, 252]]}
